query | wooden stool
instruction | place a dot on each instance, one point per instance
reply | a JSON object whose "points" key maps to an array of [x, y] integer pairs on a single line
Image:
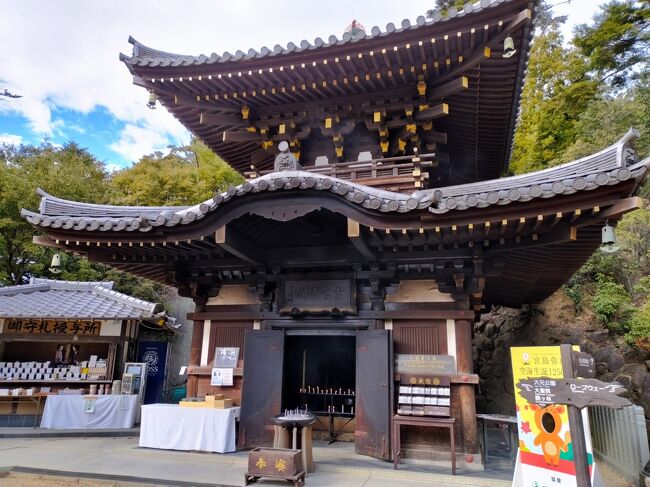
{"points": [[399, 421]]}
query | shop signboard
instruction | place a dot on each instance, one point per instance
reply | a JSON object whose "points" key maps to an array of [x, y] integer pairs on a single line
{"points": [[154, 354], [546, 455], [51, 327]]}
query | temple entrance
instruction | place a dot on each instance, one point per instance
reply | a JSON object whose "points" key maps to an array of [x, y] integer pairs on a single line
{"points": [[319, 374], [343, 376]]}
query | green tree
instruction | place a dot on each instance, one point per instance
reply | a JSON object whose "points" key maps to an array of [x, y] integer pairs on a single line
{"points": [[70, 172], [185, 176], [616, 45], [556, 92]]}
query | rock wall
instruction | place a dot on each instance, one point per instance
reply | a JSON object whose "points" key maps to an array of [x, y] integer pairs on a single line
{"points": [[552, 322]]}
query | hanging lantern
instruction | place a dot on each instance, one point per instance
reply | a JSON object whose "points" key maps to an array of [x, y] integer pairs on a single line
{"points": [[509, 47], [152, 100], [55, 266], [609, 239]]}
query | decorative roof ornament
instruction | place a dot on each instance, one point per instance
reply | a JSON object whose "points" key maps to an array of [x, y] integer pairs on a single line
{"points": [[356, 30], [285, 160]]}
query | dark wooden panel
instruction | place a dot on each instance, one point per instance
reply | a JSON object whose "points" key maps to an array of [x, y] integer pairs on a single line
{"points": [[420, 337], [228, 334], [262, 387], [373, 402]]}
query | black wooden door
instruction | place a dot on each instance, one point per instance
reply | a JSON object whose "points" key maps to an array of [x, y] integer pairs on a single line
{"points": [[373, 404], [262, 386]]}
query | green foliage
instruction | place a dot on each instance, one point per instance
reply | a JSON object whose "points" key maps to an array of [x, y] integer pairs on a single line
{"points": [[609, 302], [633, 234], [616, 45], [70, 172], [575, 294], [555, 93], [606, 120], [639, 328], [572, 104], [185, 176]]}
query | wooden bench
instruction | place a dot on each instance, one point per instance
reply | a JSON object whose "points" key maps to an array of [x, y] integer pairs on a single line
{"points": [[427, 422]]}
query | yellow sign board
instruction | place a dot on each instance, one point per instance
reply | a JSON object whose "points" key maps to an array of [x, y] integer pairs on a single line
{"points": [[545, 446]]}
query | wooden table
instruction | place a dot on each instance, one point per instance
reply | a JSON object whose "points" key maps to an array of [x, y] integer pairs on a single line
{"points": [[35, 398], [427, 422], [499, 419]]}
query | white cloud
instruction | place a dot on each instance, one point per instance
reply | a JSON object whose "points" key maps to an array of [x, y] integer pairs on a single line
{"points": [[64, 54], [10, 139], [135, 141], [113, 167]]}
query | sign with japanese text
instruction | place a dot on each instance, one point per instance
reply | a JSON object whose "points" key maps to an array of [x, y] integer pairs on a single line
{"points": [[425, 380], [425, 364], [575, 392], [545, 446], [51, 327], [584, 365], [317, 296]]}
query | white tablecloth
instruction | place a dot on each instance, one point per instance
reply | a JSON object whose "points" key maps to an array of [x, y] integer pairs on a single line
{"points": [[171, 427], [67, 411]]}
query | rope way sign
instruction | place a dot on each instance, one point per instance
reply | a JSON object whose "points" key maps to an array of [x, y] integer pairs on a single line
{"points": [[573, 392]]}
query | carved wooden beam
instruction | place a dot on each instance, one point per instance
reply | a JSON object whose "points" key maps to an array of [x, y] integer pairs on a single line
{"points": [[617, 209], [447, 89], [221, 119], [354, 234], [233, 243], [432, 113], [242, 136]]}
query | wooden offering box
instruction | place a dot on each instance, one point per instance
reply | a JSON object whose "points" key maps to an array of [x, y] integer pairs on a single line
{"points": [[275, 463], [216, 401]]}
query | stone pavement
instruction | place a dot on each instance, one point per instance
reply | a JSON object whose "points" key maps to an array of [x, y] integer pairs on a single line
{"points": [[118, 461], [336, 465]]}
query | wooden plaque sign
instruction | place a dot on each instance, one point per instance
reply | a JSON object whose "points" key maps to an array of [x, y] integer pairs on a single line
{"points": [[425, 364], [584, 365], [572, 392], [317, 296]]}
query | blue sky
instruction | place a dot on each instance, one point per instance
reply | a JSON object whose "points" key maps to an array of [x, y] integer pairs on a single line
{"points": [[62, 56]]}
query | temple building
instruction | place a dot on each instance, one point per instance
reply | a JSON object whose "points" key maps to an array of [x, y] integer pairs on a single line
{"points": [[373, 223]]}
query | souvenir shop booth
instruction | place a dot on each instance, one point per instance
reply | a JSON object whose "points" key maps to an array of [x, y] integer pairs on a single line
{"points": [[62, 345]]}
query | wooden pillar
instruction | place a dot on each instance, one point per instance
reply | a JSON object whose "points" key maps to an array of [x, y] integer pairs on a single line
{"points": [[467, 394], [196, 346], [195, 357]]}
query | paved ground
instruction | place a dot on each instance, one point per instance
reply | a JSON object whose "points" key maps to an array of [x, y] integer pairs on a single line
{"points": [[104, 461]]}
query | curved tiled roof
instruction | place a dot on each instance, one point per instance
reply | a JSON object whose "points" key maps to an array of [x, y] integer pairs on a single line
{"points": [[146, 56], [46, 298], [610, 166]]}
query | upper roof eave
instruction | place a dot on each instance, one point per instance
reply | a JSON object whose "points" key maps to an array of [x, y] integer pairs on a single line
{"points": [[144, 56]]}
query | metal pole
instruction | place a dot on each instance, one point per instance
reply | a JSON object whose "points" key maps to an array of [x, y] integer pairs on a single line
{"points": [[583, 478]]}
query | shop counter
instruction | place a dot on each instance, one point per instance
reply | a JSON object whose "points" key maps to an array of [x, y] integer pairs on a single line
{"points": [[171, 427], [89, 412]]}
